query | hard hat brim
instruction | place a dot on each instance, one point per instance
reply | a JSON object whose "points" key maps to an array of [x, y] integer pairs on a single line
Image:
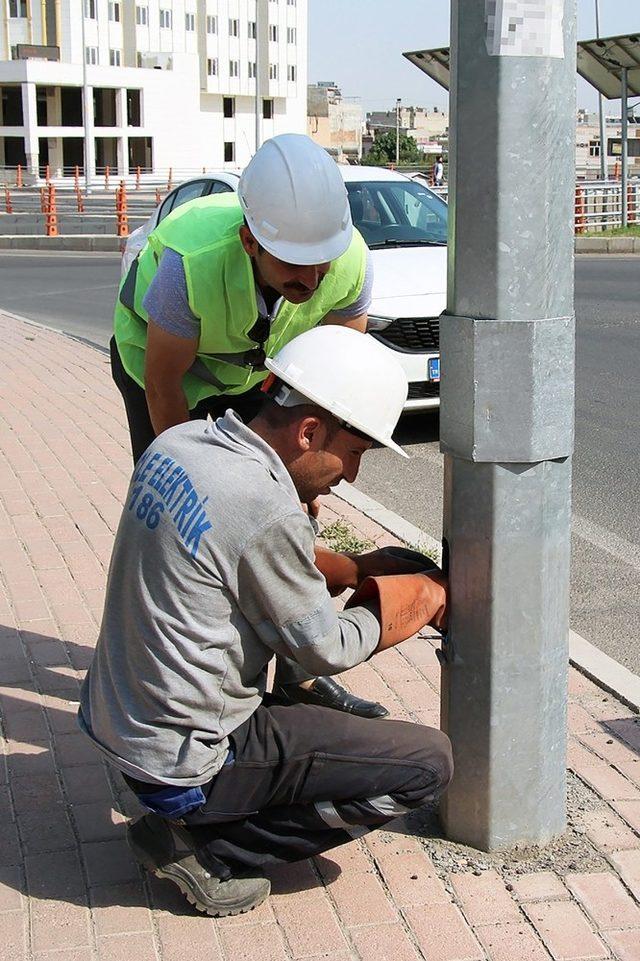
{"points": [[315, 399], [304, 255]]}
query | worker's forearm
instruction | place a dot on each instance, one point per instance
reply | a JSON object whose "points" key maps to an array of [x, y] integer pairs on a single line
{"points": [[340, 571], [167, 407]]}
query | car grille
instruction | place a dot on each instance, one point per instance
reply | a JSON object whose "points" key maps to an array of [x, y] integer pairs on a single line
{"points": [[415, 335], [422, 389]]}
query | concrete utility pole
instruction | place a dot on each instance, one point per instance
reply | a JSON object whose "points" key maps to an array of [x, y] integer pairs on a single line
{"points": [[398, 102], [506, 423]]}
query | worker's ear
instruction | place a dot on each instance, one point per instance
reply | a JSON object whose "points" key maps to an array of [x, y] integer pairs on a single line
{"points": [[248, 241], [310, 434]]}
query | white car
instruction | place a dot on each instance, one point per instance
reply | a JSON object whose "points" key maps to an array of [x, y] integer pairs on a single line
{"points": [[405, 226], [218, 182]]}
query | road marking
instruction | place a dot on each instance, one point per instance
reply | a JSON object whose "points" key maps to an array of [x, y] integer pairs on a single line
{"points": [[605, 540]]}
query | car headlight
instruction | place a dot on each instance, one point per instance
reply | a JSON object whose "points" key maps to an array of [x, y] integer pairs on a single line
{"points": [[378, 323]]}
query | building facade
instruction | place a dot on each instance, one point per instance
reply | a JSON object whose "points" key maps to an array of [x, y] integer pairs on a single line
{"points": [[162, 83], [333, 121], [429, 128], [588, 146]]}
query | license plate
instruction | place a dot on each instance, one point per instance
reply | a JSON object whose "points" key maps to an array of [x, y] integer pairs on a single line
{"points": [[433, 369]]}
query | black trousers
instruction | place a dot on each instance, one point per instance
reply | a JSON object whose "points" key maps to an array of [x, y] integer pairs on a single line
{"points": [[141, 433], [305, 779], [141, 430]]}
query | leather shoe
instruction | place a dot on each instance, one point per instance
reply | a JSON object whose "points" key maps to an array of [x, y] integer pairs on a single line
{"points": [[327, 693]]}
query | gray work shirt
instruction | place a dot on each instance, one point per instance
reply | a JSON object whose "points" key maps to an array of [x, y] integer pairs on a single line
{"points": [[212, 573]]}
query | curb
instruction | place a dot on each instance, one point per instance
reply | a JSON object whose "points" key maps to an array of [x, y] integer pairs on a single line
{"points": [[110, 242], [608, 674]]}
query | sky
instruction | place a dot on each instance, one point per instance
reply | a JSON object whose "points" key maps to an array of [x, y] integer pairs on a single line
{"points": [[358, 44]]}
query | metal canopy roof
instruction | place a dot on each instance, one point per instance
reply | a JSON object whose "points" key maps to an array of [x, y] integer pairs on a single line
{"points": [[600, 62]]}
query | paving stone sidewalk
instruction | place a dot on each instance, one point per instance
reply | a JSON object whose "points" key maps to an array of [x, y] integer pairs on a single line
{"points": [[69, 890]]}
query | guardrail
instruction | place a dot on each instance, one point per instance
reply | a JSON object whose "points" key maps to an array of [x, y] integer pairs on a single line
{"points": [[598, 204]]}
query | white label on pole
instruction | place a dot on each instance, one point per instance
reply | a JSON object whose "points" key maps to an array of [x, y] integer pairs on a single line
{"points": [[524, 28]]}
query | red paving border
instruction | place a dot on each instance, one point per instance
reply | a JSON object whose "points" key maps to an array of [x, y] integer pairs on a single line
{"points": [[69, 890]]}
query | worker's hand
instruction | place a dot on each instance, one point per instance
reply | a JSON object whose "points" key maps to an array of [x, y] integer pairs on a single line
{"points": [[313, 507], [391, 560]]}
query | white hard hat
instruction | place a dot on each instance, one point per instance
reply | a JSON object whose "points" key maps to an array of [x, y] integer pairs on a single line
{"points": [[347, 373], [295, 201]]}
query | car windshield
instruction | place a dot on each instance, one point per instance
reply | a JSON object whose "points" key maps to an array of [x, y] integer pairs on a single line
{"points": [[396, 213]]}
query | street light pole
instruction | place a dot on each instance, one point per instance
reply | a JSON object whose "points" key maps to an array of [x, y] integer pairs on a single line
{"points": [[624, 137], [86, 105], [258, 66], [506, 421], [603, 139], [398, 102]]}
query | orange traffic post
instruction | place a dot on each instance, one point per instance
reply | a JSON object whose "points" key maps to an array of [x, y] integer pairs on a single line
{"points": [[76, 177], [47, 174], [52, 216], [580, 219], [121, 210], [137, 178], [170, 180], [19, 176], [79, 201], [7, 200], [158, 197], [107, 171], [616, 171]]}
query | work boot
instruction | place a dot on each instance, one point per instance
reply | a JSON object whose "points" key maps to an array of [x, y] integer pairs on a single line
{"points": [[327, 693], [167, 850]]}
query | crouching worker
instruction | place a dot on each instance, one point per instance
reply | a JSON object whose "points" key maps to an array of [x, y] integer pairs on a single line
{"points": [[213, 572]]}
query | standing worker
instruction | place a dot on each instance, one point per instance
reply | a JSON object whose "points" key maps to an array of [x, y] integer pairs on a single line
{"points": [[213, 571], [224, 282]]}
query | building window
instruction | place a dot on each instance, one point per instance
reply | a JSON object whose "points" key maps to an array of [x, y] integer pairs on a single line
{"points": [[273, 71], [212, 24], [14, 55], [90, 9], [251, 29], [273, 32], [91, 56], [138, 59], [165, 19], [234, 68], [234, 28], [142, 16], [251, 68], [228, 107], [229, 151], [190, 22], [267, 109], [212, 66], [594, 148], [291, 34], [115, 58], [291, 3], [291, 72], [17, 9], [114, 11]]}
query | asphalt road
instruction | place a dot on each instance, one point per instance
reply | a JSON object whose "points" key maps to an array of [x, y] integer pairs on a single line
{"points": [[75, 293]]}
